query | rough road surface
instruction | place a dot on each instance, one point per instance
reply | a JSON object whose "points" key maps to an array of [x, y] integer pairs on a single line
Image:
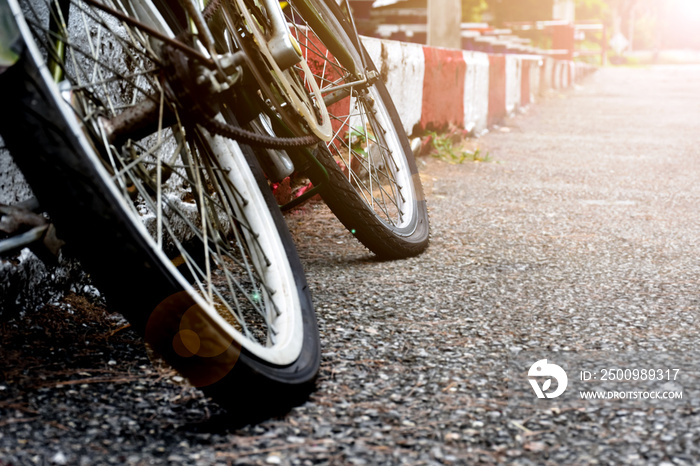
{"points": [[582, 234]]}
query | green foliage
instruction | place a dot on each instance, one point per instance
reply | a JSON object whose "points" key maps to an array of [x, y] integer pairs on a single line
{"points": [[592, 9], [446, 151], [472, 10], [651, 24], [636, 19], [9, 34], [358, 141], [645, 32], [521, 10]]}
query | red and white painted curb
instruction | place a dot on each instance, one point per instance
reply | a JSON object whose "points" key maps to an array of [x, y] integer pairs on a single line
{"points": [[437, 88]]}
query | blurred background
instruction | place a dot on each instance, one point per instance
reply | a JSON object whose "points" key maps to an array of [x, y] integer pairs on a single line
{"points": [[621, 31]]}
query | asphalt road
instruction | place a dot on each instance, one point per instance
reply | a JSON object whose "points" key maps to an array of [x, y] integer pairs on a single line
{"points": [[577, 243]]}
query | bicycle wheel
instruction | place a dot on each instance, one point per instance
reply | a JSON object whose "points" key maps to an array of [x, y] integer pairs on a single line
{"points": [[177, 226], [375, 190]]}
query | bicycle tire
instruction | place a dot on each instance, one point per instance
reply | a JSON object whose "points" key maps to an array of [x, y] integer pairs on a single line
{"points": [[68, 166], [374, 187]]}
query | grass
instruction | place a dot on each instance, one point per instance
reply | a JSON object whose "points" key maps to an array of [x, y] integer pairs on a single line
{"points": [[445, 150]]}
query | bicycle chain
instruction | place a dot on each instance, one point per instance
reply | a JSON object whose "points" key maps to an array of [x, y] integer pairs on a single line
{"points": [[254, 139]]}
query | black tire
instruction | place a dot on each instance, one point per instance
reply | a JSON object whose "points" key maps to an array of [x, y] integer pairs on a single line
{"points": [[68, 169], [375, 189]]}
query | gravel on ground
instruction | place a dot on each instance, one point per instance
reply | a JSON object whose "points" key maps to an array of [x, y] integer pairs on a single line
{"points": [[581, 234]]}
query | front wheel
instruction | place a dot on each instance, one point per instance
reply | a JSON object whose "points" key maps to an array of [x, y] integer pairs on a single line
{"points": [[375, 190], [177, 226]]}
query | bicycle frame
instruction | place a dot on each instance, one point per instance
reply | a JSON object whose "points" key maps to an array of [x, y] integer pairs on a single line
{"points": [[206, 54]]}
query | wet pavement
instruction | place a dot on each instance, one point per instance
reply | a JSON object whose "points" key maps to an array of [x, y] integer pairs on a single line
{"points": [[578, 242]]}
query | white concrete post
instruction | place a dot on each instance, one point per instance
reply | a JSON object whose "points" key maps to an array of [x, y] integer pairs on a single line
{"points": [[444, 19]]}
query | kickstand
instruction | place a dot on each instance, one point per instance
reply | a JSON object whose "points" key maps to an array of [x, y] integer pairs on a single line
{"points": [[22, 225]]}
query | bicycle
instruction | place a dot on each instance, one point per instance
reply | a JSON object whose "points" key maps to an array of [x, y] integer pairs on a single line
{"points": [[125, 115], [367, 175]]}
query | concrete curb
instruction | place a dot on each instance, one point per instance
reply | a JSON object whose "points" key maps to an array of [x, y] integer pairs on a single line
{"points": [[436, 88]]}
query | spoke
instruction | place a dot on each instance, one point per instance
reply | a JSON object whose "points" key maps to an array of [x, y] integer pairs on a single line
{"points": [[159, 181], [114, 80], [336, 137], [191, 263], [317, 51], [375, 173], [170, 177], [354, 177], [388, 175], [207, 240], [376, 123], [140, 159], [211, 200], [204, 214], [177, 165], [242, 259], [365, 165], [75, 63], [388, 157], [365, 135], [250, 233], [95, 56]]}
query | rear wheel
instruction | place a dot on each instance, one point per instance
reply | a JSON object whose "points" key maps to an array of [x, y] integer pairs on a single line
{"points": [[155, 204], [375, 190]]}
